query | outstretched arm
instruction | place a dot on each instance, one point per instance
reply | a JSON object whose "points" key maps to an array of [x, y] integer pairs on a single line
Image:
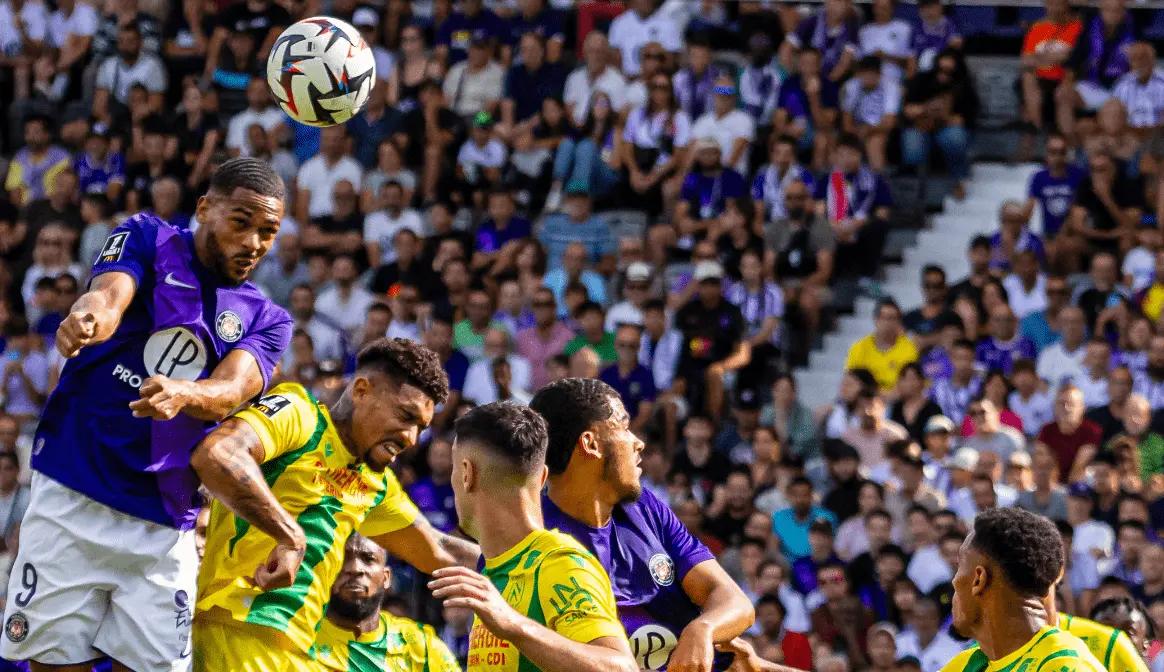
{"points": [[228, 462], [726, 614], [235, 380], [97, 313], [427, 548]]}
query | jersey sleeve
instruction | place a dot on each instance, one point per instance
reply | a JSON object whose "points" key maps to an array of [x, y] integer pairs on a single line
{"points": [[1123, 656], [395, 512], [576, 599], [685, 550], [268, 340], [130, 248], [439, 658], [285, 420]]}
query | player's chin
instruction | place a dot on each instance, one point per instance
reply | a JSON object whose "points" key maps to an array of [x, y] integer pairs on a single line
{"points": [[379, 458]]}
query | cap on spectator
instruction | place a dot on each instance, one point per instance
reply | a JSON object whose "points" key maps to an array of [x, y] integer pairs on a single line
{"points": [[331, 367], [1080, 490], [821, 525], [483, 120], [479, 38], [964, 458], [724, 90], [1019, 459], [706, 142], [909, 660], [708, 270], [747, 399], [836, 450], [365, 16], [638, 271], [882, 626], [939, 423]]}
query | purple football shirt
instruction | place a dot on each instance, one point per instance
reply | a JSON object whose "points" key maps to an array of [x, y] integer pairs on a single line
{"points": [[647, 552], [182, 322]]}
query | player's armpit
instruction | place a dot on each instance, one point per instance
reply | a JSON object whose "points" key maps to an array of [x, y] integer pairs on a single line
{"points": [[227, 461]]}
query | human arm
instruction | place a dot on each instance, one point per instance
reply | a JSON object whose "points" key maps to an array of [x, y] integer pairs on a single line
{"points": [[1082, 461], [427, 548], [725, 614], [227, 462], [97, 313], [217, 39], [747, 660], [236, 379]]}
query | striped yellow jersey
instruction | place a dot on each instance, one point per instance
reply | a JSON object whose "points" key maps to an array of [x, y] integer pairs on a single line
{"points": [[330, 493], [1113, 648], [553, 580], [1049, 650], [397, 645]]}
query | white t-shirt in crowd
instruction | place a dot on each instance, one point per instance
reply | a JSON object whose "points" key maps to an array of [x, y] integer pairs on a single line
{"points": [[269, 118], [1034, 412], [35, 16], [479, 385], [647, 132], [1021, 301], [890, 38], [347, 314], [726, 130], [869, 107], [83, 22], [320, 179], [1140, 263], [941, 649], [473, 156], [629, 32], [1057, 364], [580, 88], [117, 77], [382, 227]]}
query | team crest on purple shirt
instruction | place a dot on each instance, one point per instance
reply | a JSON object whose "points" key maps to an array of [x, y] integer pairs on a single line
{"points": [[662, 569], [229, 326]]}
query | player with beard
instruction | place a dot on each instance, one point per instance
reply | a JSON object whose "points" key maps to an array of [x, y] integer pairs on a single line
{"points": [[675, 601], [1006, 569], [357, 636], [169, 338]]}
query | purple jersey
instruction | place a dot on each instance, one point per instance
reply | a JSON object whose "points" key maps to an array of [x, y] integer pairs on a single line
{"points": [[181, 323], [831, 41], [647, 552], [1055, 196]]}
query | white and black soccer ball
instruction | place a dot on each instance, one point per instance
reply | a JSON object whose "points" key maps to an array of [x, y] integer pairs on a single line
{"points": [[321, 71]]}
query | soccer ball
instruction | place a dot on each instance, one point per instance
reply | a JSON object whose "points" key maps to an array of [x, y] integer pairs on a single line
{"points": [[321, 71]]}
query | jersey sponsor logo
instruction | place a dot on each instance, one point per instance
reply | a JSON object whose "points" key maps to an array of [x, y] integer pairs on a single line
{"points": [[662, 569], [114, 248], [182, 619], [127, 376], [175, 353], [652, 645], [16, 629], [174, 282], [229, 326], [271, 404]]}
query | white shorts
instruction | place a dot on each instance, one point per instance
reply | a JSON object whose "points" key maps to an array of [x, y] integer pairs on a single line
{"points": [[1093, 95], [90, 581]]}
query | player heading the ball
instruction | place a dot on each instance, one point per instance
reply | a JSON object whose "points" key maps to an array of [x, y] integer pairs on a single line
{"points": [[169, 338]]}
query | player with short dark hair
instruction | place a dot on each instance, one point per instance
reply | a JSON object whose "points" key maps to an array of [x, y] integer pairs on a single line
{"points": [[675, 601], [1006, 569], [292, 478], [541, 601], [169, 338], [359, 635]]}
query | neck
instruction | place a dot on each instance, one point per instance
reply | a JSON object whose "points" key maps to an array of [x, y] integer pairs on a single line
{"points": [[510, 518], [341, 419], [626, 367], [360, 627], [579, 499], [1002, 633]]}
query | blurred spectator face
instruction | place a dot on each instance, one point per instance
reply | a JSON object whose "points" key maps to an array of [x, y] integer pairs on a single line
{"points": [[1025, 382], [502, 374], [771, 574], [920, 528], [708, 156], [925, 619], [1104, 478], [478, 54], [758, 526], [392, 195], [404, 304], [545, 309], [258, 95], [739, 493], [1026, 266], [412, 41], [1002, 323], [848, 160], [800, 498], [751, 268], [949, 549], [9, 472], [346, 199], [887, 324], [500, 207], [257, 136], [1152, 566], [557, 369], [934, 287], [765, 445], [376, 322], [1096, 358], [578, 207], [1142, 57], [905, 596], [988, 465], [937, 444], [698, 432], [870, 78], [97, 146], [167, 196], [1133, 508], [947, 68], [879, 529], [1137, 415], [496, 343], [439, 337], [782, 156], [751, 555], [333, 142], [128, 44], [836, 10], [153, 146], [592, 324], [1056, 153], [344, 271], [979, 256], [882, 650], [595, 51], [574, 259], [844, 470], [910, 384], [50, 246], [1112, 11], [407, 245], [626, 343], [455, 276], [643, 8], [1044, 470], [509, 298], [532, 51], [241, 45], [770, 616], [1156, 352], [584, 364], [690, 513], [962, 361], [1072, 325], [870, 410], [983, 493], [868, 498], [710, 292], [302, 303], [1131, 542], [9, 432], [889, 568], [479, 309], [833, 584], [725, 102], [661, 93]]}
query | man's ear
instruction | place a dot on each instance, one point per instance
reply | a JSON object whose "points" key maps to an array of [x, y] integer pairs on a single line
{"points": [[361, 387], [202, 209], [981, 580], [588, 444], [469, 475]]}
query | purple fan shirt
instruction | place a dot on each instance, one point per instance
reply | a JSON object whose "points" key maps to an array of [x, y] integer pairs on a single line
{"points": [[181, 324], [647, 552], [1055, 195]]}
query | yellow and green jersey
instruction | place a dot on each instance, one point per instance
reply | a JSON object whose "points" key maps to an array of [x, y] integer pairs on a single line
{"points": [[556, 582], [397, 645], [1049, 650], [1111, 647], [330, 493]]}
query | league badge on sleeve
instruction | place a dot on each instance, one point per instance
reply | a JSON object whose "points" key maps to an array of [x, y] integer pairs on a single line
{"points": [[114, 248], [229, 326], [271, 404], [16, 629], [662, 569]]}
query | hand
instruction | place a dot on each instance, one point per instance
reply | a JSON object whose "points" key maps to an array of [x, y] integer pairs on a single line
{"points": [[462, 587], [13, 367], [281, 567], [76, 331], [812, 86], [746, 657], [695, 652], [162, 398]]}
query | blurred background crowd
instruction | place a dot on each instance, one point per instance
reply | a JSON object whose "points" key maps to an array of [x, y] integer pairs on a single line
{"points": [[675, 197]]}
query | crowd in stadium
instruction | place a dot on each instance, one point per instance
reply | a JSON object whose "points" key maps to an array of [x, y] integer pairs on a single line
{"points": [[661, 196]]}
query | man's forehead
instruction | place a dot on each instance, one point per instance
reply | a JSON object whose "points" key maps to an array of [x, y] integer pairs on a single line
{"points": [[257, 204]]}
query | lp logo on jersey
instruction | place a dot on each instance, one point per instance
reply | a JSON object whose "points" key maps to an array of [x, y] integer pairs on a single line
{"points": [[652, 645], [662, 569], [175, 353], [114, 246]]}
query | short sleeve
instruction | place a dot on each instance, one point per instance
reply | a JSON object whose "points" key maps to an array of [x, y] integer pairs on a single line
{"points": [[105, 74], [84, 20], [439, 658], [892, 98], [130, 248], [269, 340], [685, 550], [682, 129], [284, 420], [157, 79], [394, 513], [577, 600]]}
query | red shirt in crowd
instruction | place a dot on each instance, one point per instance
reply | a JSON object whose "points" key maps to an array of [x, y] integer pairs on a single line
{"points": [[1066, 446]]}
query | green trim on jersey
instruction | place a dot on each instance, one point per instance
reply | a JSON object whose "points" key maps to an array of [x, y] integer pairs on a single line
{"points": [[1046, 634], [368, 656], [537, 616], [274, 469], [978, 662], [1111, 642], [1063, 653], [276, 608]]}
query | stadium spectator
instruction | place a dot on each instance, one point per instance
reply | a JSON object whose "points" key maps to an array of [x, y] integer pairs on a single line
{"points": [[1138, 444], [1141, 90], [791, 524], [1097, 61]]}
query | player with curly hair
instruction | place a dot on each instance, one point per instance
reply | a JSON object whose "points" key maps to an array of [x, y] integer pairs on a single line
{"points": [[1006, 568], [292, 478]]}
